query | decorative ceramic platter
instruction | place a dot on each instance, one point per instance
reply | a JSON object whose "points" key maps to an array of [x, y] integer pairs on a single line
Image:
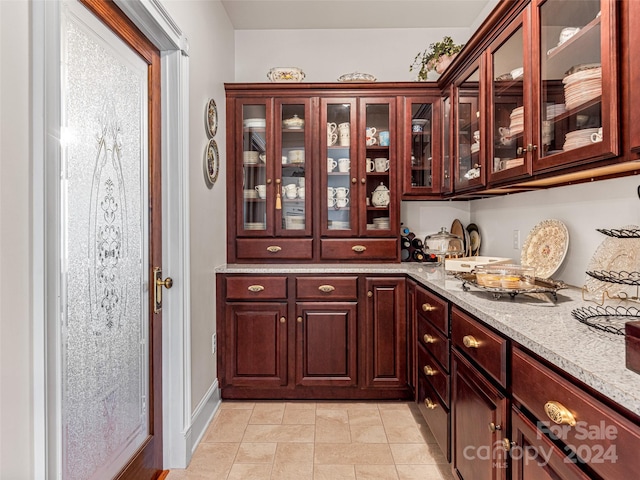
{"points": [[286, 74], [356, 77], [545, 247], [212, 163], [212, 118], [474, 238]]}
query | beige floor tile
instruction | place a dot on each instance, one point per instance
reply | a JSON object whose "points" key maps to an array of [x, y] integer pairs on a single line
{"points": [[415, 454], [227, 426], [256, 453], [294, 453], [338, 405], [398, 417], [300, 404], [299, 416], [364, 417], [402, 406], [213, 459], [332, 426], [334, 472], [236, 405], [292, 471], [250, 471], [352, 454], [421, 472], [368, 434], [279, 433], [398, 433], [267, 414], [376, 472]]}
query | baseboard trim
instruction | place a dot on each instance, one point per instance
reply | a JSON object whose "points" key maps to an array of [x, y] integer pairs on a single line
{"points": [[202, 416]]}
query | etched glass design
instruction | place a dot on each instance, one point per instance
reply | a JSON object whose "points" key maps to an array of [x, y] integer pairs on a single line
{"points": [[104, 257]]}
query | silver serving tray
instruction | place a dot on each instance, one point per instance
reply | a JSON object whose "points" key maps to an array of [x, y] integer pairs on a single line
{"points": [[542, 285]]}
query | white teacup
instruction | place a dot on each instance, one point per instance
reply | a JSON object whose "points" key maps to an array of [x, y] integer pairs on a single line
{"points": [[344, 164], [342, 202], [331, 191], [331, 164], [331, 201], [291, 190], [371, 166], [332, 127], [476, 136], [262, 191], [300, 192], [341, 192], [332, 133], [597, 137], [370, 139], [504, 131], [301, 181], [381, 164]]}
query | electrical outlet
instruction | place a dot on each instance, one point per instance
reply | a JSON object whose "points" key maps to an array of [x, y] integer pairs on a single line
{"points": [[214, 346], [516, 239]]}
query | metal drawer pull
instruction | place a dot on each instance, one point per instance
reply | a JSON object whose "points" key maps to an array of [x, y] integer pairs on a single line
{"points": [[255, 288], [428, 338], [283, 320], [429, 404], [470, 341], [427, 307], [429, 371], [326, 288], [559, 414], [358, 248], [274, 248]]}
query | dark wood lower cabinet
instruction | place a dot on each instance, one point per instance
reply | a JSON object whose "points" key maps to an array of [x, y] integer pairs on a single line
{"points": [[256, 344], [534, 457], [479, 424], [326, 344]]}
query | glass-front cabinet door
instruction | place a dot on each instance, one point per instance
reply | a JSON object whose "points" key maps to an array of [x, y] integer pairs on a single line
{"points": [[292, 167], [447, 128], [508, 155], [338, 167], [577, 81], [470, 148], [258, 199], [378, 164], [421, 152]]}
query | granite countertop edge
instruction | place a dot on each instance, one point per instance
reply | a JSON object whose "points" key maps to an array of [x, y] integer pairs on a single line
{"points": [[543, 326]]}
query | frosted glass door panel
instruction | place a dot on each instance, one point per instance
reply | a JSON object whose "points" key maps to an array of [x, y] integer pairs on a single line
{"points": [[104, 257]]}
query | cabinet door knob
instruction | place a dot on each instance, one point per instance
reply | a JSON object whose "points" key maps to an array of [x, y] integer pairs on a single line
{"points": [[283, 320], [363, 180], [255, 288], [427, 307], [354, 180], [493, 427], [273, 248], [299, 319], [429, 371], [507, 444], [429, 404], [358, 248], [429, 338], [326, 288], [268, 181], [369, 294], [470, 341], [559, 414]]}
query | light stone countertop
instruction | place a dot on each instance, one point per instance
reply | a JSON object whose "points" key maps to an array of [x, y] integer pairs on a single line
{"points": [[544, 327]]}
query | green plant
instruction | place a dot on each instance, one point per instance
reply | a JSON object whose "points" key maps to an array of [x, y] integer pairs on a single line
{"points": [[426, 60]]}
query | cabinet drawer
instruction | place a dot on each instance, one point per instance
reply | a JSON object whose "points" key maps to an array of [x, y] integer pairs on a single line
{"points": [[434, 374], [359, 249], [433, 309], [433, 341], [327, 288], [478, 342], [436, 414], [256, 288], [274, 248], [603, 438]]}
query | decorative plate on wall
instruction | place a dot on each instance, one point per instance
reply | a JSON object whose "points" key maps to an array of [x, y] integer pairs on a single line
{"points": [[545, 247], [211, 163], [212, 118]]}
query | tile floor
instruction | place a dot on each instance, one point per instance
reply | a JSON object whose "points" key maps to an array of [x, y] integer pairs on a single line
{"points": [[317, 441]]}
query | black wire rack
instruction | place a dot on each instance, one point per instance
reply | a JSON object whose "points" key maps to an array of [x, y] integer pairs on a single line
{"points": [[608, 319], [620, 232], [621, 277]]}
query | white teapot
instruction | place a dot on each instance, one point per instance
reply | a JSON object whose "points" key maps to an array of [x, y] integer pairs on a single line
{"points": [[381, 196]]}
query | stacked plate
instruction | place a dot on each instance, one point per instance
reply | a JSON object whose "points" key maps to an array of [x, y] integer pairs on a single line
{"points": [[555, 109], [339, 225], [294, 222], [582, 86], [381, 223], [578, 138], [250, 194], [250, 157], [255, 225], [255, 123], [517, 121]]}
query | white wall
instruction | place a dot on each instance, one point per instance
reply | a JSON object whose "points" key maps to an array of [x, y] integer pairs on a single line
{"points": [[324, 55], [16, 377], [582, 208], [211, 63]]}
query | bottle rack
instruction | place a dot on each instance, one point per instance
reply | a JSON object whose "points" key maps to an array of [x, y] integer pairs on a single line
{"points": [[612, 319]]}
